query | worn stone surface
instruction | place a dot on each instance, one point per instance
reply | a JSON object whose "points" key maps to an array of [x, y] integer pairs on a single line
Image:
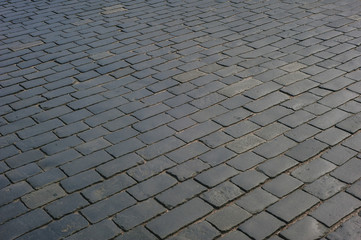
{"points": [[158, 119]]}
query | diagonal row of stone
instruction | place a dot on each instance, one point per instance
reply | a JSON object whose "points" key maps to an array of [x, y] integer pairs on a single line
{"points": [[188, 119]]}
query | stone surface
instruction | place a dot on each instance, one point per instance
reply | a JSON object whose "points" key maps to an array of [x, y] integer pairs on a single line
{"points": [[157, 119], [310, 228]]}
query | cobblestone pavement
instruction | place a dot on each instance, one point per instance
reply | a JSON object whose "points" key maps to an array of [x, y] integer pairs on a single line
{"points": [[178, 119]]}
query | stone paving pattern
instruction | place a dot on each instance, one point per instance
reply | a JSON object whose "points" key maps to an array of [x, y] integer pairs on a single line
{"points": [[214, 119]]}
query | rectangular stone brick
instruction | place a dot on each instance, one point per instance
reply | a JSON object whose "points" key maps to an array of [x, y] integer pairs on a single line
{"points": [[102, 230], [125, 147], [24, 223], [160, 148], [180, 193], [119, 164], [14, 191], [336, 208], [306, 150], [58, 159], [65, 205], [179, 217], [107, 207], [59, 229], [266, 102], [152, 186], [80, 181], [216, 175], [245, 143], [86, 162], [43, 196], [138, 214], [12, 210], [239, 87], [261, 226], [108, 187]]}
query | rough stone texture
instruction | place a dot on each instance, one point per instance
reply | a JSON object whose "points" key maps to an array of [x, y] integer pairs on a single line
{"points": [[156, 119], [309, 226]]}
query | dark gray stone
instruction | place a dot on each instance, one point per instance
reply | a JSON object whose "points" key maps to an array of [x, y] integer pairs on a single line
{"points": [[179, 217], [261, 226], [336, 208], [293, 205]]}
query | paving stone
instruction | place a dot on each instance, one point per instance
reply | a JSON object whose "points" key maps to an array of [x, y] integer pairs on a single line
{"points": [[274, 147], [12, 210], [297, 118], [222, 194], [138, 214], [261, 226], [336, 208], [150, 168], [351, 124], [65, 205], [179, 217], [312, 170], [188, 169], [23, 172], [152, 186], [86, 162], [338, 98], [102, 230], [187, 152], [107, 207], [324, 187], [348, 230], [125, 147], [266, 102], [262, 90], [339, 154], [217, 156], [353, 142], [256, 200], [24, 223], [332, 136], [239, 87], [43, 196], [271, 131], [81, 180], [293, 205], [216, 175], [245, 161], [277, 165], [301, 101], [240, 129], [329, 119], [119, 164], [14, 191], [245, 143], [348, 172], [249, 179], [180, 193], [198, 131], [228, 217], [106, 188], [282, 185], [270, 115], [161, 147], [216, 139], [310, 228], [232, 117], [306, 150], [235, 235], [137, 233], [202, 230], [61, 228]]}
